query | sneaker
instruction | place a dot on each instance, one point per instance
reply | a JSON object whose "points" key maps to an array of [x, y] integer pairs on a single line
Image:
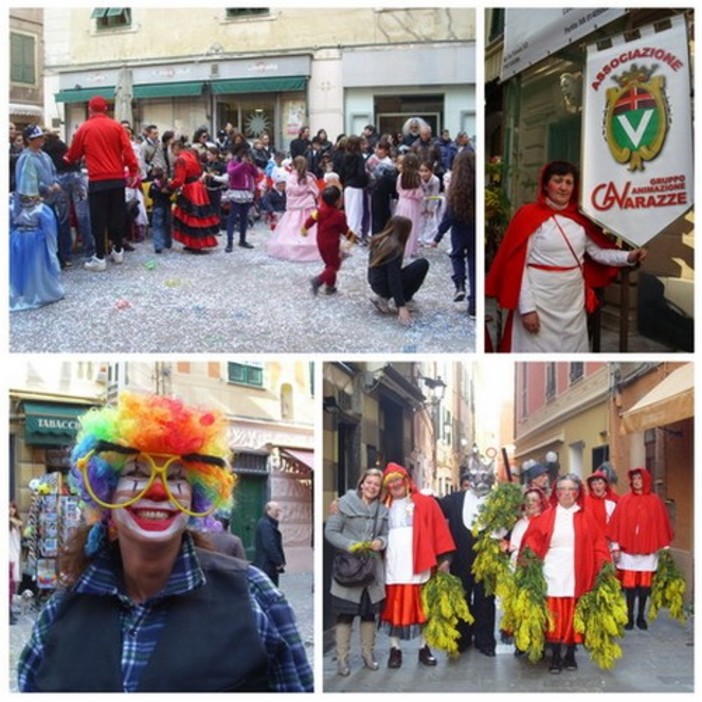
{"points": [[381, 304], [229, 248], [126, 246], [117, 256], [460, 295], [245, 245], [95, 264], [315, 284], [331, 290]]}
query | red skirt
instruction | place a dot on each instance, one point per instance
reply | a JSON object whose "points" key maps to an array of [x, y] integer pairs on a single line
{"points": [[195, 222], [562, 610], [403, 606], [635, 578]]}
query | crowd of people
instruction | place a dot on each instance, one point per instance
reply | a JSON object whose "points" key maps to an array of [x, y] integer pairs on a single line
{"points": [[572, 527], [115, 186]]}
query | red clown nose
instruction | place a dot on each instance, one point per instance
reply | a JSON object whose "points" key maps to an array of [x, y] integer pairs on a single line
{"points": [[157, 492]]}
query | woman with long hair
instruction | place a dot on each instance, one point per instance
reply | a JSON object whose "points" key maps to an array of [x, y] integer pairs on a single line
{"points": [[354, 178], [410, 200], [301, 193], [359, 518], [386, 275], [459, 217], [195, 220]]}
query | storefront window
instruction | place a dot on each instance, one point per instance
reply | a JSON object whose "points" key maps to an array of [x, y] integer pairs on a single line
{"points": [[394, 110]]}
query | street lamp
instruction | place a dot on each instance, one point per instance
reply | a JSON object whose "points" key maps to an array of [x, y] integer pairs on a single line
{"points": [[436, 389]]}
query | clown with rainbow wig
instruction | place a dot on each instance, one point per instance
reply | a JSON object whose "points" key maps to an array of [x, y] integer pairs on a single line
{"points": [[145, 605]]}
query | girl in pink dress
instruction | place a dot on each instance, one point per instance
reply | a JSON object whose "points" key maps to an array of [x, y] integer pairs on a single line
{"points": [[301, 192], [410, 200]]}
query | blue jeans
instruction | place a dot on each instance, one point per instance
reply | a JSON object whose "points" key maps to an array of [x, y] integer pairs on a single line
{"points": [[161, 222], [75, 188], [238, 211]]}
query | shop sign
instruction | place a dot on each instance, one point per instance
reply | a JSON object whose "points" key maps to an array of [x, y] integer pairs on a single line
{"points": [[637, 133]]}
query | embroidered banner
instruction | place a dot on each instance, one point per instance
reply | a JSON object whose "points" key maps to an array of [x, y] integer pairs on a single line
{"points": [[637, 159]]}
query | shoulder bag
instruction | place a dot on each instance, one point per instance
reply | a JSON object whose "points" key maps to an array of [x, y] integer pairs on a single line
{"points": [[356, 569]]}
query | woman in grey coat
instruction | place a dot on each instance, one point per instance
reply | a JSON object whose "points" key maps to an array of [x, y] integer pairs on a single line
{"points": [[353, 522]]}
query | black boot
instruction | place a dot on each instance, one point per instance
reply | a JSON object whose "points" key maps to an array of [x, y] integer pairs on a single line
{"points": [[630, 593], [569, 658], [556, 664], [460, 292], [641, 619]]}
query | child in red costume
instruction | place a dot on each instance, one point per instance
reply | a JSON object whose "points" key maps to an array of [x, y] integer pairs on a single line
{"points": [[331, 224]]}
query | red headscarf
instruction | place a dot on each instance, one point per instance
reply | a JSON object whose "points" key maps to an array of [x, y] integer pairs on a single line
{"points": [[640, 523], [430, 533], [504, 280]]}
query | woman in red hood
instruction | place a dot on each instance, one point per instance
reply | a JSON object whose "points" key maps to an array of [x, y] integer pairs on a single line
{"points": [[638, 529], [573, 549], [418, 541], [537, 274], [600, 500]]}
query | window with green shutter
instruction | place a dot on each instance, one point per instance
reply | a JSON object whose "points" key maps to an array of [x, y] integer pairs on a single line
{"points": [[245, 374], [112, 17], [22, 58]]}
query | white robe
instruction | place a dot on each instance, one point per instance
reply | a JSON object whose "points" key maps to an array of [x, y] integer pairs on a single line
{"points": [[558, 296]]}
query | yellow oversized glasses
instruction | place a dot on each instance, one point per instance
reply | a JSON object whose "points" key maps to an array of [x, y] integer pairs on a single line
{"points": [[149, 466]]}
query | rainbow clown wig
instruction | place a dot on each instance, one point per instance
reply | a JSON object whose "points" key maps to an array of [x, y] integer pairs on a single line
{"points": [[151, 424]]}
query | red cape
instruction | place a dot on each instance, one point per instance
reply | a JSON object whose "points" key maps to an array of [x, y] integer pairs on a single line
{"points": [[430, 533], [591, 551], [504, 280], [640, 523]]}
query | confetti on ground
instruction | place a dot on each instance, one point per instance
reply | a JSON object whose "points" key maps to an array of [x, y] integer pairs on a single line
{"points": [[243, 302]]}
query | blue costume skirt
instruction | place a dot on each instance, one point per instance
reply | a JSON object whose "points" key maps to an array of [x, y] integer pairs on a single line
{"points": [[35, 271]]}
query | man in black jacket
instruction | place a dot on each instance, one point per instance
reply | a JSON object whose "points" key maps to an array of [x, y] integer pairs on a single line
{"points": [[268, 541]]}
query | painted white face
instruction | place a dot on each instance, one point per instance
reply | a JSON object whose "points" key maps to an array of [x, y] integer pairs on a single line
{"points": [[154, 517]]}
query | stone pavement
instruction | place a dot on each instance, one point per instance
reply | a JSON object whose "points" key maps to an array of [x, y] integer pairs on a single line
{"points": [[297, 588], [239, 302], [659, 660]]}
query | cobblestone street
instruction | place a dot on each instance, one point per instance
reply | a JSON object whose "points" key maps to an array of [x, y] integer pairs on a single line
{"points": [[245, 301]]}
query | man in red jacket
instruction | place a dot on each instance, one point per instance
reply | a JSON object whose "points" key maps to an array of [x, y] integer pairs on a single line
{"points": [[109, 157]]}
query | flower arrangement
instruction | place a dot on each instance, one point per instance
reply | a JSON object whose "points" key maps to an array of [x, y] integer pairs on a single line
{"points": [[600, 615], [668, 589], [444, 603]]}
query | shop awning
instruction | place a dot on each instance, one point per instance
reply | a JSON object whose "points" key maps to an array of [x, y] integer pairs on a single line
{"points": [[18, 108], [672, 400], [84, 94], [175, 89], [47, 423], [259, 85], [306, 458]]}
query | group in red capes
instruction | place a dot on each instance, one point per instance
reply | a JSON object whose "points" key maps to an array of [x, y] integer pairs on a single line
{"points": [[638, 529], [538, 280], [573, 549]]}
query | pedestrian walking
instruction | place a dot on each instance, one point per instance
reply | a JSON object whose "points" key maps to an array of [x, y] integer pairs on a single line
{"points": [[268, 540]]}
